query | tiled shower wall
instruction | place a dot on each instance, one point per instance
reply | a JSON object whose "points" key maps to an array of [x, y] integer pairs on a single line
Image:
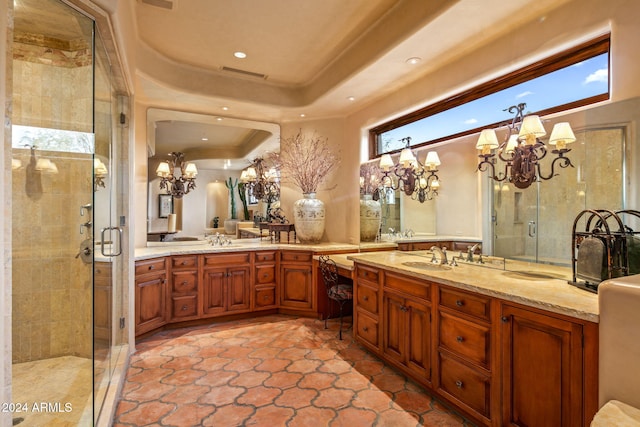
{"points": [[51, 293]]}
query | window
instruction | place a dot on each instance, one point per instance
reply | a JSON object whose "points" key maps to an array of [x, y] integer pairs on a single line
{"points": [[576, 77], [52, 139]]}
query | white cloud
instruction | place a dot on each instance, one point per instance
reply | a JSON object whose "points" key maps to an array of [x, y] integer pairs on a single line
{"points": [[600, 76], [470, 121], [523, 94]]}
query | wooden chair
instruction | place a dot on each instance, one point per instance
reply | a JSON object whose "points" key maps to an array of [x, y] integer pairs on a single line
{"points": [[336, 291]]}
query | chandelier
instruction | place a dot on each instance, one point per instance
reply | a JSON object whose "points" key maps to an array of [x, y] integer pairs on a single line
{"points": [[262, 183], [522, 150], [409, 175], [177, 186]]}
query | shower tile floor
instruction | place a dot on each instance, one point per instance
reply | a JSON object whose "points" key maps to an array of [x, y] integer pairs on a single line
{"points": [[45, 387], [270, 371]]}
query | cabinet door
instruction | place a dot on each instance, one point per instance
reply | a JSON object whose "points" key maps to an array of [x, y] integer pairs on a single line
{"points": [[542, 370], [151, 293], [419, 338], [394, 334], [238, 289], [213, 294], [296, 289]]}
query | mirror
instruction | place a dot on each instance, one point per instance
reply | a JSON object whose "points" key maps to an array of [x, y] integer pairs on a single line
{"points": [[219, 147]]}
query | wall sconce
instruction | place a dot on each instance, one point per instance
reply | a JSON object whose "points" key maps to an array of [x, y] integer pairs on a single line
{"points": [[177, 186], [420, 181], [99, 174], [262, 182], [522, 149]]}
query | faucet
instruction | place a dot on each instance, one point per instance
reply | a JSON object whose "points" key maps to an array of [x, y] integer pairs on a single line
{"points": [[441, 252], [219, 240], [408, 233], [471, 250]]}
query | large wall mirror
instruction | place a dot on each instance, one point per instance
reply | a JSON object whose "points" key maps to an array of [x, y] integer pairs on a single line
{"points": [[220, 148]]}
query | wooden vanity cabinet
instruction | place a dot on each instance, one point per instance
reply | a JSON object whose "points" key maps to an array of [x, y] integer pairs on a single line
{"points": [[407, 324], [150, 294], [546, 369], [296, 282], [265, 280], [184, 287], [226, 286]]}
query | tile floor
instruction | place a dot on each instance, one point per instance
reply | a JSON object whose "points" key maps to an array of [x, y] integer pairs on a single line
{"points": [[269, 371]]}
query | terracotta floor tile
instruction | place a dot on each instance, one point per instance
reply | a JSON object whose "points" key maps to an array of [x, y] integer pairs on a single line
{"points": [[221, 395], [272, 371], [312, 417], [296, 398], [270, 416], [259, 396], [229, 416], [185, 394], [354, 417], [189, 415], [334, 398], [147, 413], [317, 380]]}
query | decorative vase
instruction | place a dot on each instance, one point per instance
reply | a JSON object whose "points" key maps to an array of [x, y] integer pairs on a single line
{"points": [[230, 225], [309, 214], [370, 217]]}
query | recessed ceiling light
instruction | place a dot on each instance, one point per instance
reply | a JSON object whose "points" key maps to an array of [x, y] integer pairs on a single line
{"points": [[240, 55], [225, 108], [351, 98], [413, 60], [219, 119], [204, 138], [302, 115]]}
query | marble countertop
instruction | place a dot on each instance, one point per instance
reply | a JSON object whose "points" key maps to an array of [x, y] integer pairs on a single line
{"points": [[534, 285], [159, 249]]}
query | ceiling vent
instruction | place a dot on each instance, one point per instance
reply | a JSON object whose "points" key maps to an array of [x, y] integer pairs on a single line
{"points": [[165, 4], [244, 72]]}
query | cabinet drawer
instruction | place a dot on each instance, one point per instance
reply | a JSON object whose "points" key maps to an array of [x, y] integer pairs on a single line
{"points": [[265, 274], [367, 298], [295, 256], [184, 306], [465, 338], [150, 265], [184, 281], [265, 256], [420, 289], [370, 274], [463, 302], [223, 260], [265, 297], [178, 262], [467, 385], [367, 329]]}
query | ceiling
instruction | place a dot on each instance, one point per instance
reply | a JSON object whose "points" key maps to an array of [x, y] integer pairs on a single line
{"points": [[305, 59]]}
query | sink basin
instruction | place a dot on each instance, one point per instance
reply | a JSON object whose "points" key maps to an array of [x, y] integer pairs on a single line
{"points": [[532, 275], [426, 265]]}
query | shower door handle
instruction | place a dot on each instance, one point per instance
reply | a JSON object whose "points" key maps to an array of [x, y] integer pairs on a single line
{"points": [[532, 229], [113, 243]]}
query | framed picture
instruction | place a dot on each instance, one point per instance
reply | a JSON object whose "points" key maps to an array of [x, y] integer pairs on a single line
{"points": [[251, 199], [165, 206]]}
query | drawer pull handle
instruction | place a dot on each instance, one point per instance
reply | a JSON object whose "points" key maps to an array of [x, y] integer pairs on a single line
{"points": [[184, 308], [459, 384], [265, 275], [185, 282], [404, 308], [459, 338], [151, 267], [505, 319], [459, 302], [365, 298], [365, 329]]}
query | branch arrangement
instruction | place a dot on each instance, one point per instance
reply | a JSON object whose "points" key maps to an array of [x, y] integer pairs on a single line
{"points": [[306, 160], [370, 178]]}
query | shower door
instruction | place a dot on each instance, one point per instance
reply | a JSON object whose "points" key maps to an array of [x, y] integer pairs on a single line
{"points": [[109, 219], [535, 224]]}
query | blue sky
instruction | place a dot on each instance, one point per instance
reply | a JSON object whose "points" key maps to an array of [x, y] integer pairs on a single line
{"points": [[582, 80]]}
